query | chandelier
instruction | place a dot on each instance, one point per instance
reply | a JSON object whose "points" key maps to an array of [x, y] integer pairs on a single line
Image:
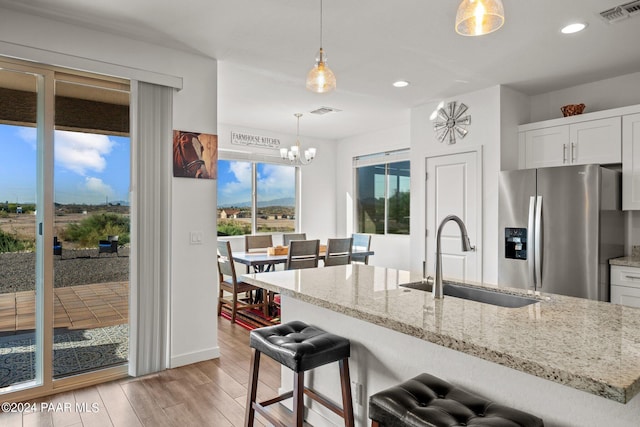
{"points": [[321, 79], [294, 153], [479, 17]]}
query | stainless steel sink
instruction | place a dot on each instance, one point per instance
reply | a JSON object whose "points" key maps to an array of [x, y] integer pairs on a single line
{"points": [[486, 296]]}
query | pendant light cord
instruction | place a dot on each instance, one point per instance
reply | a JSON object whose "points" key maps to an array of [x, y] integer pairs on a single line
{"points": [[320, 24]]}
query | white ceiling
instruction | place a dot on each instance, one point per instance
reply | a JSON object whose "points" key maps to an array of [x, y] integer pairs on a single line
{"points": [[266, 47]]}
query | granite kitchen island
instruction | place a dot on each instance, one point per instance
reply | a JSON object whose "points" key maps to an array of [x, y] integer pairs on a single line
{"points": [[568, 360]]}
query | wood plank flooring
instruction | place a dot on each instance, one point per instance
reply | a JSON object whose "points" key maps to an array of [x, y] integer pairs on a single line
{"points": [[209, 393]]}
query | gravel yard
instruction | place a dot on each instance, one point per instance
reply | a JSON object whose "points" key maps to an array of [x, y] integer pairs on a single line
{"points": [[74, 267]]}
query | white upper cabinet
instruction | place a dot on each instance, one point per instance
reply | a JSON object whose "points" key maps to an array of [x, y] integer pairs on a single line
{"points": [[631, 162], [579, 143]]}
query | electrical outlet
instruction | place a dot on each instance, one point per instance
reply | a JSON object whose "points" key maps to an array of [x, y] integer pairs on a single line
{"points": [[356, 393]]}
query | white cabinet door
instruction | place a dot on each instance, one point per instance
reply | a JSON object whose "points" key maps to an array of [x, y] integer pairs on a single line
{"points": [[625, 296], [592, 141], [547, 147], [595, 141], [631, 162], [625, 285]]}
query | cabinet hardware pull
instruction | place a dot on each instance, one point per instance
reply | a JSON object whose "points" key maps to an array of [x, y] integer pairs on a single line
{"points": [[564, 153], [632, 277], [573, 152]]}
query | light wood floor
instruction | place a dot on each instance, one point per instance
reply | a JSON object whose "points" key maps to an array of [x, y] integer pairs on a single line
{"points": [[210, 393]]}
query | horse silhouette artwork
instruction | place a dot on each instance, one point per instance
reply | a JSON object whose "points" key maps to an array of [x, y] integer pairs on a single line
{"points": [[188, 156]]}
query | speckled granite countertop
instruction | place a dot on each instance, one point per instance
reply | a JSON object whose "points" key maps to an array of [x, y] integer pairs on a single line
{"points": [[628, 261], [588, 345]]}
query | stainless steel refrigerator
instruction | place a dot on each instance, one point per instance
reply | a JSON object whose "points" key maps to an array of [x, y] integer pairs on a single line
{"points": [[559, 227]]}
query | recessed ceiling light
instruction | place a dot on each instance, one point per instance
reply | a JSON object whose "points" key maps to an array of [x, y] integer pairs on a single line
{"points": [[573, 28], [401, 83]]}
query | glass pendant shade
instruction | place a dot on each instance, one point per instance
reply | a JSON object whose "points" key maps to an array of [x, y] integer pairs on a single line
{"points": [[479, 17], [321, 79]]}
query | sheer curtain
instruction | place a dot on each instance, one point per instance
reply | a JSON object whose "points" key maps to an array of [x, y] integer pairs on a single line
{"points": [[151, 131]]}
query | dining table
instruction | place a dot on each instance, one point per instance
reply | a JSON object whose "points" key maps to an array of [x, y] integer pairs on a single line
{"points": [[262, 261]]}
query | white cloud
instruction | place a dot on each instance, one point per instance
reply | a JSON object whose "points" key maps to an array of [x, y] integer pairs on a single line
{"points": [[276, 182], [236, 191], [28, 135], [98, 187], [82, 152]]}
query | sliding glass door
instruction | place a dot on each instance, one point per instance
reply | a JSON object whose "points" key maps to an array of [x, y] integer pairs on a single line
{"points": [[64, 248], [25, 164], [91, 225]]}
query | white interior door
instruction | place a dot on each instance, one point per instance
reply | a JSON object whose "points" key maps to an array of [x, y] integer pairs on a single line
{"points": [[454, 185]]}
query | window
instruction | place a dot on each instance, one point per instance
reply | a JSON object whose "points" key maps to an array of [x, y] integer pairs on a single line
{"points": [[383, 193], [273, 209]]}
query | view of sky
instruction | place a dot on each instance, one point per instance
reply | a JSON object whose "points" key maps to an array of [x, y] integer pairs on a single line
{"points": [[88, 168], [275, 182]]}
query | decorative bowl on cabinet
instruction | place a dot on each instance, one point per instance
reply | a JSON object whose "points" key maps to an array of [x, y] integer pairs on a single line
{"points": [[572, 109]]}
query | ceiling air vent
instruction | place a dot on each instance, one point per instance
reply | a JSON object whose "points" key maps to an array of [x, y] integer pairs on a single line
{"points": [[324, 110], [621, 12]]}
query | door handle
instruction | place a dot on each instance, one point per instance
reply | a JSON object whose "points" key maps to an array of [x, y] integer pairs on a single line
{"points": [[573, 152], [632, 277], [532, 243], [564, 153], [538, 244]]}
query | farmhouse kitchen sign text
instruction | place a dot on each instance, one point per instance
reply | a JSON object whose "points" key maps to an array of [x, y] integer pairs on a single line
{"points": [[240, 138]]}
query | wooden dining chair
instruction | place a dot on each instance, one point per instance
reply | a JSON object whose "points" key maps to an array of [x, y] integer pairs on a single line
{"points": [[361, 242], [287, 237], [257, 243], [338, 251], [303, 254], [229, 283]]}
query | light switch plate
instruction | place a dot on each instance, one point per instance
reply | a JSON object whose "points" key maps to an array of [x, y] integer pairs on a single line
{"points": [[195, 237]]}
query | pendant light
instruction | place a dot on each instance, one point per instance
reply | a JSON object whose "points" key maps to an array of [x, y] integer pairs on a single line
{"points": [[321, 79], [293, 153], [479, 17]]}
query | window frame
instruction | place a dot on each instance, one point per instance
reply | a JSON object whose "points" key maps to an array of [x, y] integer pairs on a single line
{"points": [[379, 159], [254, 159]]}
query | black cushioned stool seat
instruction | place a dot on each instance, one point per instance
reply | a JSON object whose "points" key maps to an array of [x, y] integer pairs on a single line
{"points": [[429, 401], [300, 347]]}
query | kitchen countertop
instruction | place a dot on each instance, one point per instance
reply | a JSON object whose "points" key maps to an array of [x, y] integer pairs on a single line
{"points": [[588, 345], [628, 261]]}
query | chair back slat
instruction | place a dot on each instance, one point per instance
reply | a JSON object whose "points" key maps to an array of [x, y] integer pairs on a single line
{"points": [[225, 260], [303, 254], [287, 237], [257, 242], [338, 251]]}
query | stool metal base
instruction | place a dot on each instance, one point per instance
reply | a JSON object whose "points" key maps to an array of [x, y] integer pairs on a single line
{"points": [[299, 390]]}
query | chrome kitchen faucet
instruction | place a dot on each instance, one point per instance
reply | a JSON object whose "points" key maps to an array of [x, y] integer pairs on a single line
{"points": [[466, 246]]}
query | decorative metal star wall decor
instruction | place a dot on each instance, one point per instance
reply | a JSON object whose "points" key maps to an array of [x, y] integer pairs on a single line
{"points": [[451, 123]]}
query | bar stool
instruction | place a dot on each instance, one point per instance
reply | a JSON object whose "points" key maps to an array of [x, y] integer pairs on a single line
{"points": [[429, 401], [299, 347]]}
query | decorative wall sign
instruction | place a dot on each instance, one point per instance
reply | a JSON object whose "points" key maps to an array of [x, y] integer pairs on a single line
{"points": [[195, 155], [451, 123], [240, 138]]}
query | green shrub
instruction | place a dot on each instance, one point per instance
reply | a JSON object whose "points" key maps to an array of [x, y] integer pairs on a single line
{"points": [[91, 230], [233, 228], [9, 243]]}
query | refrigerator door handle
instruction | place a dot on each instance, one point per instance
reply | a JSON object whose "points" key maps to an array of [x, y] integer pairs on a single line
{"points": [[532, 243], [538, 242]]}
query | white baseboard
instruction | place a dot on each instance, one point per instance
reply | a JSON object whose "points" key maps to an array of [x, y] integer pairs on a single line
{"points": [[198, 356]]}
